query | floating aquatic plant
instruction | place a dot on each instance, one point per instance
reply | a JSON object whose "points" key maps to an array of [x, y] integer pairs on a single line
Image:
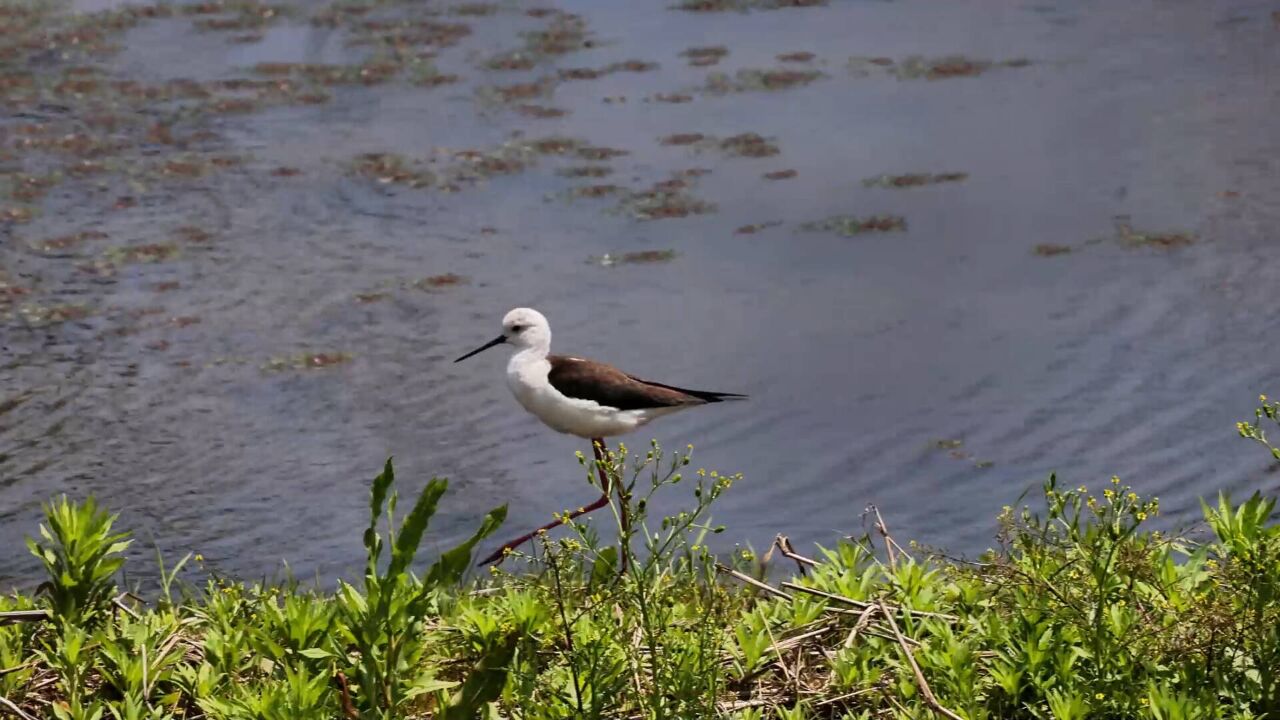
{"points": [[850, 225], [913, 180], [917, 67], [631, 258], [306, 361], [753, 80]]}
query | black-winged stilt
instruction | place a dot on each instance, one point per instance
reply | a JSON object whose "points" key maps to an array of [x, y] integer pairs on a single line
{"points": [[581, 397]]}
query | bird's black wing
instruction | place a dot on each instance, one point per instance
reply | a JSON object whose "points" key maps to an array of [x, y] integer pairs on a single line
{"points": [[610, 387]]}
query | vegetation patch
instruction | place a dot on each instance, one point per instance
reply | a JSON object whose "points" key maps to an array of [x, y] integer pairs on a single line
{"points": [[641, 257], [706, 6], [917, 67], [143, 253], [850, 225], [475, 9], [682, 139], [756, 227], [39, 314], [601, 153], [741, 145], [913, 180], [1051, 249], [595, 191], [748, 145], [565, 33], [1127, 236], [437, 282], [540, 112], [672, 98], [797, 57], [704, 56], [756, 80], [306, 361], [388, 168], [585, 171], [665, 200], [592, 73], [955, 450], [1081, 609], [517, 92], [461, 168]]}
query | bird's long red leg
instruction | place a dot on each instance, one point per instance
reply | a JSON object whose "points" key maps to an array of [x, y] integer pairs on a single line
{"points": [[597, 445]]}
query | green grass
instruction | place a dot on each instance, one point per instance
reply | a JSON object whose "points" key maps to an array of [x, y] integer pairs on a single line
{"points": [[1080, 611]]}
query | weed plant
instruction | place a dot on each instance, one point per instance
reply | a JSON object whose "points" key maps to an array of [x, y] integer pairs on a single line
{"points": [[1080, 610]]}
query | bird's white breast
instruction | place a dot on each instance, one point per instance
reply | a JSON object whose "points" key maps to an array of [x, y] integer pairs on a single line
{"points": [[527, 378]]}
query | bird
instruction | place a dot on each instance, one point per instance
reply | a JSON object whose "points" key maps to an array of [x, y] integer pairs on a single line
{"points": [[576, 396]]}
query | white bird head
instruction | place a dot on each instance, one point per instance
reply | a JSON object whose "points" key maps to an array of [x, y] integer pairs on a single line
{"points": [[524, 328]]}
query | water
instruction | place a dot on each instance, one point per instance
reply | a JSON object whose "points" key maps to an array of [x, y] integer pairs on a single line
{"points": [[860, 353]]}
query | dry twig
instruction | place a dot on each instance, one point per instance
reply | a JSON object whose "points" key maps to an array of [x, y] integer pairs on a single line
{"points": [[915, 668], [889, 543], [783, 543], [12, 617], [864, 605], [118, 601], [726, 570], [17, 710], [863, 621]]}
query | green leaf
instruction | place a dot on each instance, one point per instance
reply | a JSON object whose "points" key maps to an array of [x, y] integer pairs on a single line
{"points": [[353, 599], [605, 567], [415, 524], [377, 498], [316, 653], [428, 685], [449, 568], [483, 685]]}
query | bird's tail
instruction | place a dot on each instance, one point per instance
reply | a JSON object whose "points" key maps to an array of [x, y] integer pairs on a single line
{"points": [[704, 395]]}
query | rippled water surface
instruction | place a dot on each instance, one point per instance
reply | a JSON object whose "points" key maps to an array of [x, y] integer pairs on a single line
{"points": [[224, 303]]}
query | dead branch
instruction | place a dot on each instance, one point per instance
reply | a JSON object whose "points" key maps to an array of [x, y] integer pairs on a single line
{"points": [[783, 543], [726, 570], [17, 710], [863, 620], [12, 617], [118, 601], [915, 668], [889, 543], [864, 605]]}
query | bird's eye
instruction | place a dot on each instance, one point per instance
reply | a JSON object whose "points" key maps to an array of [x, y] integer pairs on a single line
{"points": [[517, 328]]}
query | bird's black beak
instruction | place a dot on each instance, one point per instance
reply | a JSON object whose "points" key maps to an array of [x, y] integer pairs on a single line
{"points": [[496, 341]]}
